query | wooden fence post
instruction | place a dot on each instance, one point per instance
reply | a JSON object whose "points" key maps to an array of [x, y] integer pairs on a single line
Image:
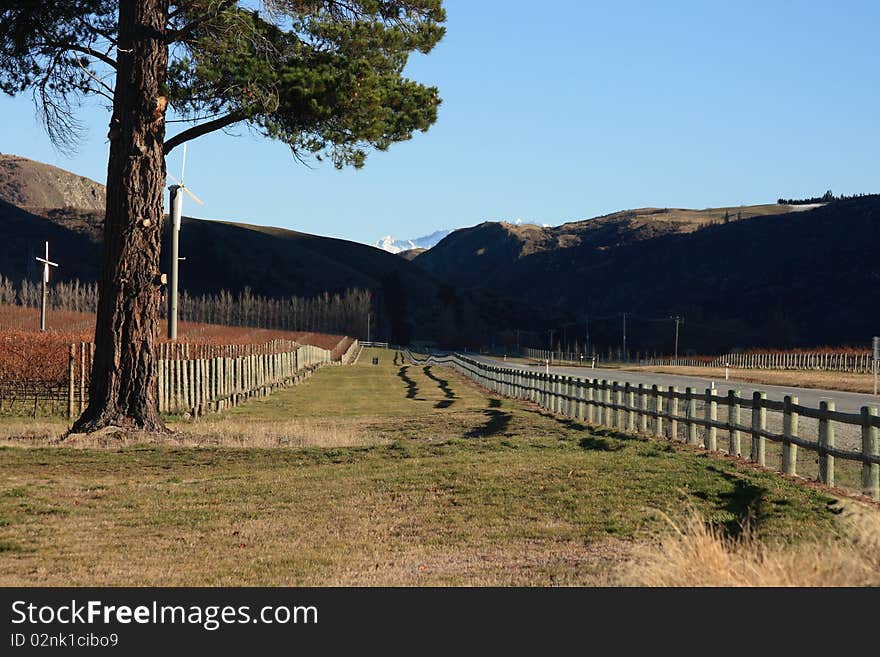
{"points": [[629, 396], [711, 415], [618, 406], [645, 409], [71, 384], [789, 430], [759, 424], [690, 413], [734, 445], [658, 409], [826, 440], [592, 387], [161, 381], [82, 377], [870, 471], [581, 394], [673, 412]]}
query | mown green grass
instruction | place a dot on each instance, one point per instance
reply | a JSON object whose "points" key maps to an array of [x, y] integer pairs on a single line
{"points": [[462, 488]]}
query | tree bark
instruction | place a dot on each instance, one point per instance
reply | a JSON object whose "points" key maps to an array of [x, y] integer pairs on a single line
{"points": [[123, 389]]}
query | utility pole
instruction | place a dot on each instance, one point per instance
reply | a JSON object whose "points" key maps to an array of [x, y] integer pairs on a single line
{"points": [[368, 326], [46, 264], [587, 341], [624, 338], [678, 319]]}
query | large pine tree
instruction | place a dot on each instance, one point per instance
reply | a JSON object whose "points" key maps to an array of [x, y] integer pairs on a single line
{"points": [[323, 76]]}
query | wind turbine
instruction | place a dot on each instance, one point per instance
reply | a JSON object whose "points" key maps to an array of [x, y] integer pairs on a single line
{"points": [[176, 211], [46, 264]]}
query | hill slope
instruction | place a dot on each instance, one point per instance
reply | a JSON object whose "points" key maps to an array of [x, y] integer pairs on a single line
{"points": [[30, 184], [411, 304], [775, 277]]}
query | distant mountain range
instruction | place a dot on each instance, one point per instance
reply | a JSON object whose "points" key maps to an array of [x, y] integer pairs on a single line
{"points": [[391, 245], [411, 248]]}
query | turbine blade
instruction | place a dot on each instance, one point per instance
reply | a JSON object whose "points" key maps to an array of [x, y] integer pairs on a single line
{"points": [[193, 196], [183, 164], [176, 181]]}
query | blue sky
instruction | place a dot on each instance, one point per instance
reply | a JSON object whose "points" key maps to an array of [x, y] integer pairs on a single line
{"points": [[554, 116]]}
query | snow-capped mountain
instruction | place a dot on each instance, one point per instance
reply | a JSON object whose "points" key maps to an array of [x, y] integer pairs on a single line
{"points": [[388, 243]]}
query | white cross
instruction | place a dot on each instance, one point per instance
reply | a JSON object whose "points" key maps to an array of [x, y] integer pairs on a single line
{"points": [[46, 263]]}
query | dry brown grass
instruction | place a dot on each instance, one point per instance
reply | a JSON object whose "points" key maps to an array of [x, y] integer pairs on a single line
{"points": [[800, 378], [696, 553], [294, 432], [25, 431], [212, 432]]}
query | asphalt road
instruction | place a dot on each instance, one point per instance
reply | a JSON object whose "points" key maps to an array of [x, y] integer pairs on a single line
{"points": [[847, 402]]}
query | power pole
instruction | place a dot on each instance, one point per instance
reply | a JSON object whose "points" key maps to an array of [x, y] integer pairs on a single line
{"points": [[45, 298], [368, 327], [587, 341], [678, 319], [624, 338]]}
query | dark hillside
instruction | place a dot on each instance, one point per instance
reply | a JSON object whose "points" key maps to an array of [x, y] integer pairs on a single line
{"points": [[795, 278]]}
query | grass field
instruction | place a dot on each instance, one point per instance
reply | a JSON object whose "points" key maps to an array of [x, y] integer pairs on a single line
{"points": [[392, 474]]}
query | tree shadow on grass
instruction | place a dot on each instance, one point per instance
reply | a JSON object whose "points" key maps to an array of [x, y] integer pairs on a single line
{"points": [[496, 422], [412, 387], [443, 384], [576, 425], [745, 502], [598, 444]]}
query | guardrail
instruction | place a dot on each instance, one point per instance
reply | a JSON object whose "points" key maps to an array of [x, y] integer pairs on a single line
{"points": [[644, 410]]}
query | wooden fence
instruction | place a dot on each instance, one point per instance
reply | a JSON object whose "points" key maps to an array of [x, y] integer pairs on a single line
{"points": [[351, 354], [195, 379], [639, 409], [859, 363], [832, 362]]}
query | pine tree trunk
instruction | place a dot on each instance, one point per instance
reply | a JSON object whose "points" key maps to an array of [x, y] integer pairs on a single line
{"points": [[123, 390]]}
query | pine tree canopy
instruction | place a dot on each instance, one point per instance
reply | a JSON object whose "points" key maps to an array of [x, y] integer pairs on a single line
{"points": [[323, 76]]}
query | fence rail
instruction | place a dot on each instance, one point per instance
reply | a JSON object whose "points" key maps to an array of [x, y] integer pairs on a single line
{"points": [[645, 409]]}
